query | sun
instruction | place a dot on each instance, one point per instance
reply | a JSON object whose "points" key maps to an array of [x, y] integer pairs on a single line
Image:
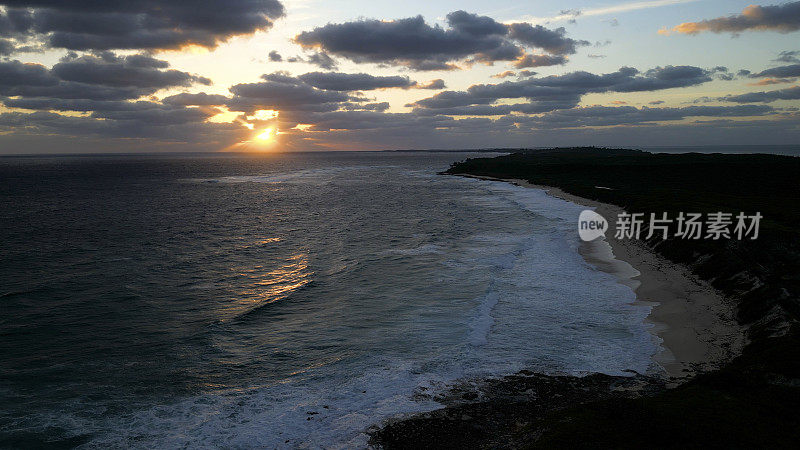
{"points": [[266, 135]]}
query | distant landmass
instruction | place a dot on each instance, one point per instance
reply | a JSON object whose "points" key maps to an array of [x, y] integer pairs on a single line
{"points": [[788, 150]]}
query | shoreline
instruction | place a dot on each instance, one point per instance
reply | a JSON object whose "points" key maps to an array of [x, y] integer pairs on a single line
{"points": [[694, 322]]}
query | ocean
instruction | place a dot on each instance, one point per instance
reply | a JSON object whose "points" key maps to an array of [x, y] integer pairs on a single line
{"points": [[281, 300]]}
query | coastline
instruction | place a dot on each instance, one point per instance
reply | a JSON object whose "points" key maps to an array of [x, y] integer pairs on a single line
{"points": [[694, 322]]}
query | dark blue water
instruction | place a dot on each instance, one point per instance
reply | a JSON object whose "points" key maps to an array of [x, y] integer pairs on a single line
{"points": [[217, 300]]}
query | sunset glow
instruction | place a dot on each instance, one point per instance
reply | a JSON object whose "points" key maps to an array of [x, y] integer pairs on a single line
{"points": [[266, 135], [388, 75], [379, 224]]}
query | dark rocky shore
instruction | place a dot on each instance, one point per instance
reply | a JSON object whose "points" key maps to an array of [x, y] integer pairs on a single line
{"points": [[751, 402], [507, 412]]}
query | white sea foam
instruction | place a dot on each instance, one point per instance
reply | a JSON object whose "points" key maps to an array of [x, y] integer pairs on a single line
{"points": [[327, 409], [543, 307]]}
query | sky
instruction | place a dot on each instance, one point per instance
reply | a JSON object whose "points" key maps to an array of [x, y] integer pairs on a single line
{"points": [[307, 75]]}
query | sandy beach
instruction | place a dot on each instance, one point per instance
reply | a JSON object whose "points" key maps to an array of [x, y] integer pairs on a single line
{"points": [[694, 322]]}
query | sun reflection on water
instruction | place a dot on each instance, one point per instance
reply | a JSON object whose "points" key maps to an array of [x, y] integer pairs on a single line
{"points": [[265, 286]]}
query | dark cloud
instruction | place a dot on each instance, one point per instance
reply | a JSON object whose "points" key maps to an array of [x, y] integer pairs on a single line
{"points": [[572, 13], [779, 72], [319, 59], [322, 60], [7, 47], [722, 73], [78, 104], [433, 84], [783, 18], [380, 107], [792, 93], [16, 73], [177, 126], [274, 56], [280, 91], [629, 115], [200, 99], [474, 25], [98, 82], [564, 91], [530, 60], [789, 56], [333, 81], [411, 42], [551, 41], [533, 107], [163, 115], [35, 80], [139, 71], [136, 24]]}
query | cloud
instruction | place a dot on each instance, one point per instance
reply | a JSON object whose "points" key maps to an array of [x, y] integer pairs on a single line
{"points": [[108, 69], [779, 72], [274, 56], [104, 77], [355, 81], [506, 74], [792, 93], [412, 43], [323, 60], [551, 41], [565, 91], [628, 115], [280, 91], [788, 56], [770, 81], [380, 107], [7, 47], [319, 59], [433, 84], [574, 13], [783, 18], [136, 24], [199, 99], [530, 60], [184, 126], [164, 115]]}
